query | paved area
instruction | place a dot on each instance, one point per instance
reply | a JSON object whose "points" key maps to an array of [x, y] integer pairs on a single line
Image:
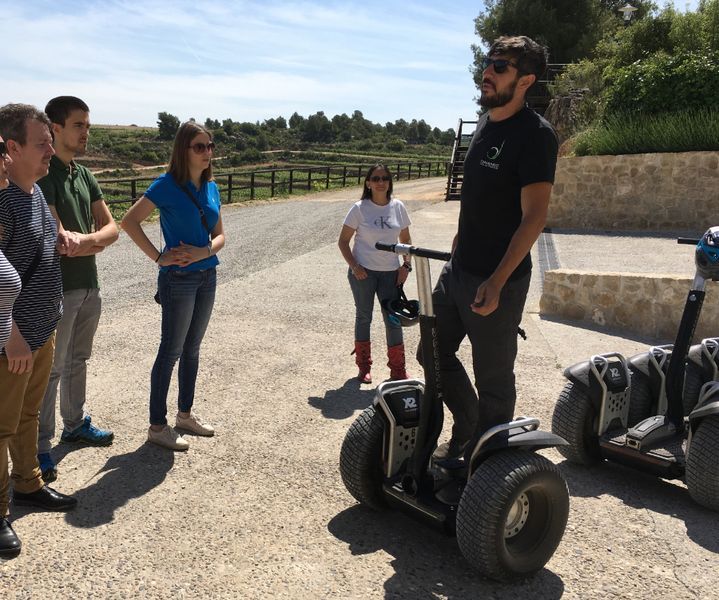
{"points": [[259, 511]]}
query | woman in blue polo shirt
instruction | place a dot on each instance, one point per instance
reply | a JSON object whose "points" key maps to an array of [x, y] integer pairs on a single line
{"points": [[189, 203]]}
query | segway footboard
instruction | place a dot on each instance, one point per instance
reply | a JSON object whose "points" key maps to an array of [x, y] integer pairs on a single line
{"points": [[404, 406]]}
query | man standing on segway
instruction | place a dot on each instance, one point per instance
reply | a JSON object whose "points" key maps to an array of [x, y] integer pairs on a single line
{"points": [[508, 178]]}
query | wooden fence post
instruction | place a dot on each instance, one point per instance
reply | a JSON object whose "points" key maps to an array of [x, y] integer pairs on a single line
{"points": [[272, 185], [344, 176], [229, 189], [252, 185], [292, 173], [327, 179], [309, 179]]}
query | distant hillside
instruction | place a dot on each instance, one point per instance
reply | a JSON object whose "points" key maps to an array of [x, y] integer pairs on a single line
{"points": [[127, 149]]}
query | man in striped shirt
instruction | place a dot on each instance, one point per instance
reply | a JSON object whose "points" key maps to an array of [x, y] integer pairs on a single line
{"points": [[28, 237]]}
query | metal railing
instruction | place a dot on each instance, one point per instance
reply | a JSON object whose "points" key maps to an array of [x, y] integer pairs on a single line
{"points": [[237, 186]]}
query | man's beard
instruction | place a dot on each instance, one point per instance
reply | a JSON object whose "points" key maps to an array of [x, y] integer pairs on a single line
{"points": [[499, 98]]}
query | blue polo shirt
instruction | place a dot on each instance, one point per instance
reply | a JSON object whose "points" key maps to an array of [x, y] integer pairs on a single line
{"points": [[179, 218]]}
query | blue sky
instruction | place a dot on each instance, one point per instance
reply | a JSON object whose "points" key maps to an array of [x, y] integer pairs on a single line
{"points": [[244, 59]]}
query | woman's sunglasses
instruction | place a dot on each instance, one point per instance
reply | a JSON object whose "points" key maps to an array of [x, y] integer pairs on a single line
{"points": [[200, 148], [500, 64], [377, 178], [3, 149]]}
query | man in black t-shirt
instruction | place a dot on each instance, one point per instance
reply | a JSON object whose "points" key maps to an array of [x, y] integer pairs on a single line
{"points": [[508, 177]]}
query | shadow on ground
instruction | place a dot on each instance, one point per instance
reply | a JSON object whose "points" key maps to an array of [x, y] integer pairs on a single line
{"points": [[122, 478], [344, 401], [428, 563], [604, 330], [640, 490]]}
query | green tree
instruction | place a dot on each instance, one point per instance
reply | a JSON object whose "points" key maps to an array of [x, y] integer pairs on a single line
{"points": [[317, 129], [567, 27], [167, 125], [296, 121]]}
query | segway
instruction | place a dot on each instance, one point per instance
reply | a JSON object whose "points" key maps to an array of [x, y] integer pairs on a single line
{"points": [[507, 505], [593, 409]]}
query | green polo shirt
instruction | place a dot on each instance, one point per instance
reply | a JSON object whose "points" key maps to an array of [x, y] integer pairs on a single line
{"points": [[72, 189]]}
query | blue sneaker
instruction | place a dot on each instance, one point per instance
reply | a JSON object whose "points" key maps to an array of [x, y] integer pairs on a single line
{"points": [[47, 466], [88, 434]]}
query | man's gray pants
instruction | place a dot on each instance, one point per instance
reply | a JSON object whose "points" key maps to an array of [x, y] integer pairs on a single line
{"points": [[73, 347], [494, 349]]}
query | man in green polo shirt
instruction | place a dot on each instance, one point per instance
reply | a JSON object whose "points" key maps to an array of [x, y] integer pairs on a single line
{"points": [[75, 200]]}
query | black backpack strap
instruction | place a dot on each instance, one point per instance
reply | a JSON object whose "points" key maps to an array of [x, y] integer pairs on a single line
{"points": [[197, 204]]}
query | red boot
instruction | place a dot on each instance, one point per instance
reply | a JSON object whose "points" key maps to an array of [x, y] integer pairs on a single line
{"points": [[396, 363], [363, 359]]}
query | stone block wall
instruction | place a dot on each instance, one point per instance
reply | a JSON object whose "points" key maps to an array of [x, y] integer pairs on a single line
{"points": [[653, 192], [649, 305]]}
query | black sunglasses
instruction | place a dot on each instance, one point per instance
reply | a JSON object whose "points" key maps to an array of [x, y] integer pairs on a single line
{"points": [[500, 64], [3, 149], [377, 178], [200, 148]]}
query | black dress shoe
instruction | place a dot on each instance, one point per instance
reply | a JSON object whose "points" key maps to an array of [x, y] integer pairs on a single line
{"points": [[45, 498], [10, 543]]}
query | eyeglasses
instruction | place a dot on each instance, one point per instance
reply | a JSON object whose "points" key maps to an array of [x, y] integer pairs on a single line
{"points": [[200, 148], [377, 178], [500, 64], [3, 149]]}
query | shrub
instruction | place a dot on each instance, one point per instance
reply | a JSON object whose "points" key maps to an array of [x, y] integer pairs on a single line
{"points": [[626, 133], [664, 83]]}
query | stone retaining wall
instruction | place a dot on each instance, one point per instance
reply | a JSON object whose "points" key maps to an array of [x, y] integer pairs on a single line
{"points": [[650, 305], [655, 192]]}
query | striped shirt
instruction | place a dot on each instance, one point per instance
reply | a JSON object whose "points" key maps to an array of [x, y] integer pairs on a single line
{"points": [[38, 308], [9, 290]]}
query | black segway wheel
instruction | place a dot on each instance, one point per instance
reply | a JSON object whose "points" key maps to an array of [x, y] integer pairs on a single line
{"points": [[512, 514], [693, 382], [702, 474], [575, 420], [361, 459], [640, 399]]}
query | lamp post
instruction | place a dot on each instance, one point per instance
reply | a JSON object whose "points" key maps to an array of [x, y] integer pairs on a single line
{"points": [[627, 12]]}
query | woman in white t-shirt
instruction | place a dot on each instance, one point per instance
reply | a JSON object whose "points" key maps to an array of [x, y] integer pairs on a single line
{"points": [[377, 217]]}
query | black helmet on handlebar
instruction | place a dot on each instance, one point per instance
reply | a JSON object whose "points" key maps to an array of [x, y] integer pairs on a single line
{"points": [[402, 311]]}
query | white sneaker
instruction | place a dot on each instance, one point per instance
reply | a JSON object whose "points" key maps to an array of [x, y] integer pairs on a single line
{"points": [[194, 424], [168, 438]]}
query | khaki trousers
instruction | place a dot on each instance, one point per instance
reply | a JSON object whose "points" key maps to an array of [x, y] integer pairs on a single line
{"points": [[20, 399]]}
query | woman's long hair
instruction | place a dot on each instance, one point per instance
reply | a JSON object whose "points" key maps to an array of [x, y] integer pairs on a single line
{"points": [[179, 166], [366, 192]]}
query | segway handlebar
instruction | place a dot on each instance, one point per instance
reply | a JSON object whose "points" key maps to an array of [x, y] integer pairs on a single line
{"points": [[414, 250]]}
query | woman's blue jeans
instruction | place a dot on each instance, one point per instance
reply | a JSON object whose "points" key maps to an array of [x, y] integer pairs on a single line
{"points": [[187, 298], [383, 284]]}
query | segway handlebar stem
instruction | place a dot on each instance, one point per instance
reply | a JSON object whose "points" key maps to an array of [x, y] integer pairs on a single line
{"points": [[414, 250]]}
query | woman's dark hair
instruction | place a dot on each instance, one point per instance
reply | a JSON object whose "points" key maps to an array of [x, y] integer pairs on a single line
{"points": [[366, 192], [179, 166]]}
